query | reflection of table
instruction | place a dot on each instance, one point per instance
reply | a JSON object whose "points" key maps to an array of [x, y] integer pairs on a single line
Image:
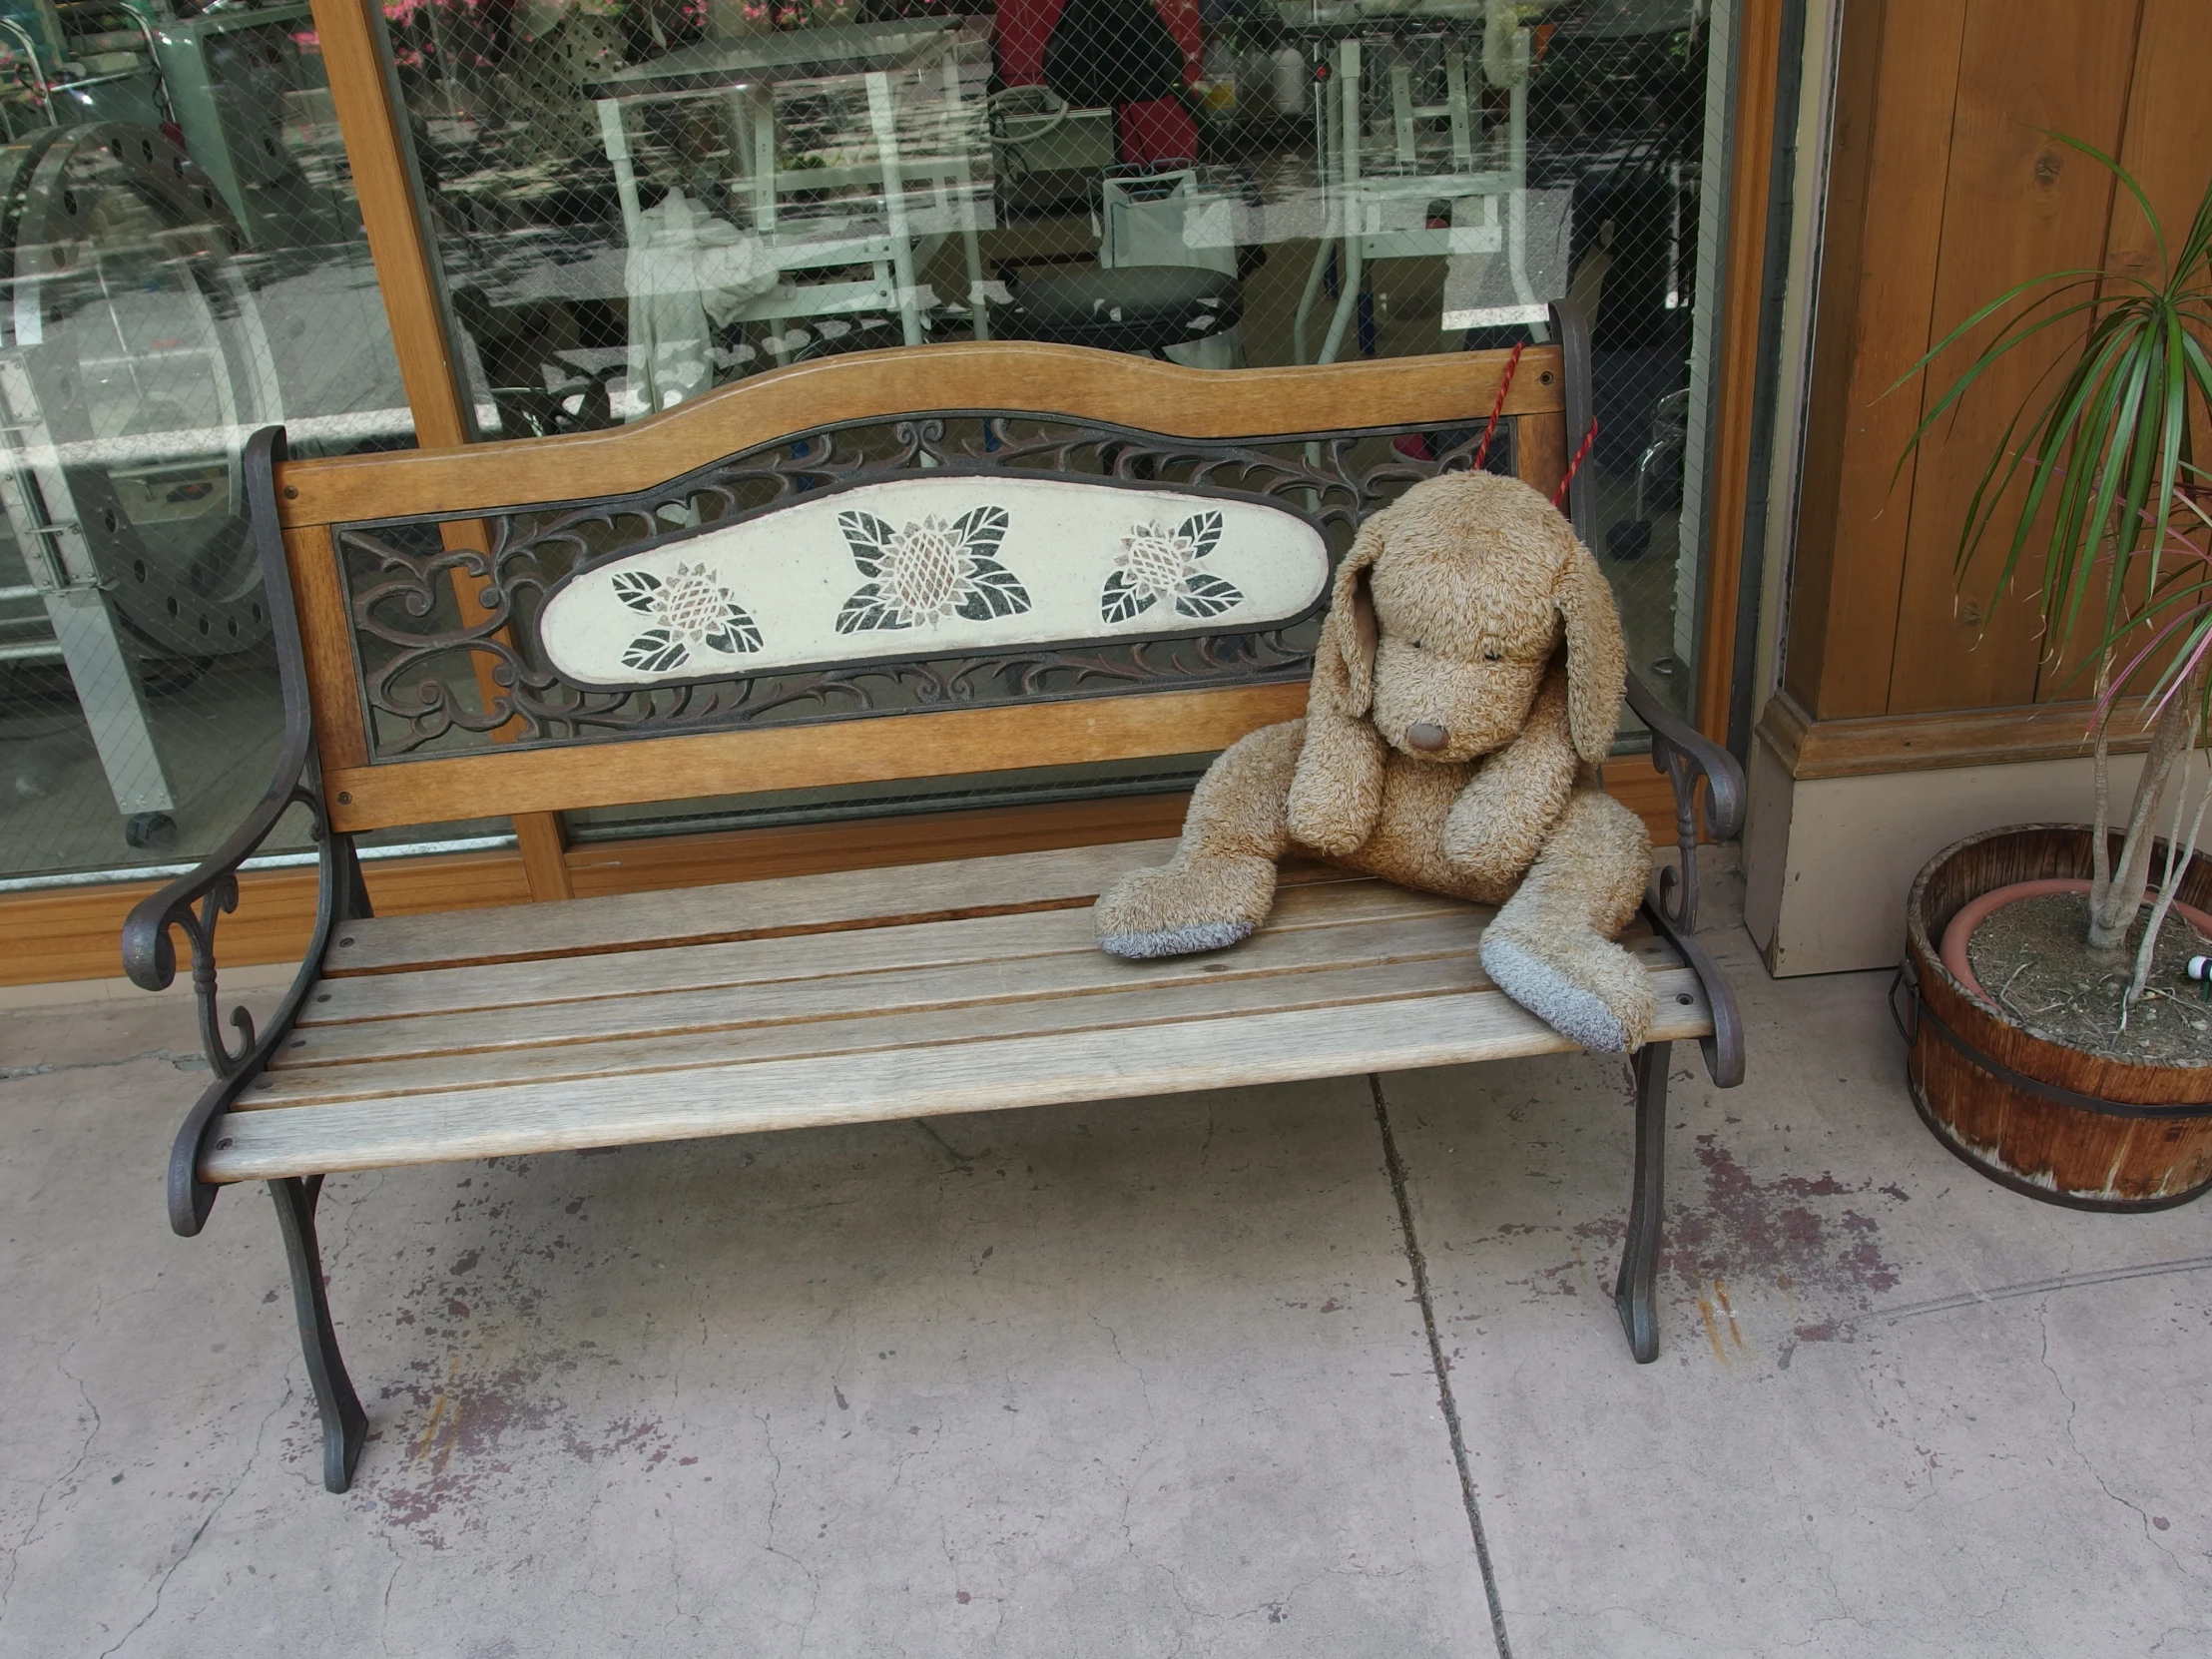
{"points": [[792, 55], [925, 195]]}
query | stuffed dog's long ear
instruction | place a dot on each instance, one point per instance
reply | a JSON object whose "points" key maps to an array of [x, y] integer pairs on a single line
{"points": [[1597, 655], [1343, 655]]}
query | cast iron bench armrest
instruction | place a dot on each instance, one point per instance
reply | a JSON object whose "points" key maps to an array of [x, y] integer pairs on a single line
{"points": [[1686, 756], [195, 902]]}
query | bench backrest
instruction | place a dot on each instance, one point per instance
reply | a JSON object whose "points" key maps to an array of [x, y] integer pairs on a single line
{"points": [[964, 559]]}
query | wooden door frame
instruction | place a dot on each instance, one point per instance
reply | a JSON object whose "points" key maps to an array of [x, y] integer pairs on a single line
{"points": [[365, 99], [1752, 136]]}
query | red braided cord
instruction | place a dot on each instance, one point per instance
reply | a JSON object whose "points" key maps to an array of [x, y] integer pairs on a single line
{"points": [[1580, 455], [1482, 449]]}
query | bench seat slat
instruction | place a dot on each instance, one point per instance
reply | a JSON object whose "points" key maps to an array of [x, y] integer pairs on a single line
{"points": [[1172, 1055], [808, 1017], [904, 1027], [1056, 968], [511, 985], [896, 895]]}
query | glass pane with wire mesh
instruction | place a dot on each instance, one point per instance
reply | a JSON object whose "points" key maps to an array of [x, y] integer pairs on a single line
{"points": [[185, 264], [639, 199]]}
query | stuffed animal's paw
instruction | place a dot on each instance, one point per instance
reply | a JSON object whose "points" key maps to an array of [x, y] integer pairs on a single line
{"points": [[1184, 908], [1586, 988], [1140, 946]]}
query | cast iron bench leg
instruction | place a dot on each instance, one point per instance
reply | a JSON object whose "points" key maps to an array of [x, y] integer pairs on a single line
{"points": [[344, 1423], [1632, 1295]]}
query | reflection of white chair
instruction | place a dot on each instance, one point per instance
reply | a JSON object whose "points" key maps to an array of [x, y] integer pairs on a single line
{"points": [[924, 198], [1382, 213]]}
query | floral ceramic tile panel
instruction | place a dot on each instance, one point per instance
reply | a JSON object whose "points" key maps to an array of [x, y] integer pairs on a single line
{"points": [[934, 566]]}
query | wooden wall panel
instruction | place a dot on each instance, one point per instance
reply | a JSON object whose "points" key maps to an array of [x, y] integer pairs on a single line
{"points": [[1898, 83], [2015, 203], [2168, 142], [2167, 145], [1943, 192]]}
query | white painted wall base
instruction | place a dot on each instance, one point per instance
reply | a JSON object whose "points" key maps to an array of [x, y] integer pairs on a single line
{"points": [[1829, 860]]}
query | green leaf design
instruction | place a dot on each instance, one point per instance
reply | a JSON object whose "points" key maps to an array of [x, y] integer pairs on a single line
{"points": [[1205, 596], [656, 652], [1203, 531], [867, 611], [869, 538], [638, 589], [993, 592], [1122, 599], [734, 632]]}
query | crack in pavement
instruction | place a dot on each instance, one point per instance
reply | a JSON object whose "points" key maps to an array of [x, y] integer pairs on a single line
{"points": [[1419, 1263], [775, 1502], [46, 1068], [2137, 1511], [37, 1512], [246, 1471]]}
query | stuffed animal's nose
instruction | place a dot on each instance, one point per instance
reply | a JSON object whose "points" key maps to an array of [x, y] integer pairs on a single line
{"points": [[1423, 735]]}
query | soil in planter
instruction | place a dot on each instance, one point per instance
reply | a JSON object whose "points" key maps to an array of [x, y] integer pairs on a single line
{"points": [[2033, 958]]}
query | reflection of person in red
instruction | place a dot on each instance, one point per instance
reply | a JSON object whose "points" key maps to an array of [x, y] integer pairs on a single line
{"points": [[1135, 55]]}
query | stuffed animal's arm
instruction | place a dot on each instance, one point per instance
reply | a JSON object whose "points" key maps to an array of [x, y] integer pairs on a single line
{"points": [[1337, 792], [1498, 824]]}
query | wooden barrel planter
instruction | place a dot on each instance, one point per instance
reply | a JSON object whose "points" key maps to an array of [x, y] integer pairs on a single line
{"points": [[2044, 1119]]}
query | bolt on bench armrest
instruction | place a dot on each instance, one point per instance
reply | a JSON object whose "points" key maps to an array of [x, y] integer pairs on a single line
{"points": [[194, 904]]}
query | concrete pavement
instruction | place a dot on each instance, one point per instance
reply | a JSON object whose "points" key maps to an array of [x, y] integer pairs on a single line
{"points": [[1147, 1379]]}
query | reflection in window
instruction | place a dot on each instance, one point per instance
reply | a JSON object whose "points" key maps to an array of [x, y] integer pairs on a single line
{"points": [[185, 264], [636, 203]]}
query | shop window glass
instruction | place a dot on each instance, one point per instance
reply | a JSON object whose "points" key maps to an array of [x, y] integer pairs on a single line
{"points": [[637, 201], [185, 264]]}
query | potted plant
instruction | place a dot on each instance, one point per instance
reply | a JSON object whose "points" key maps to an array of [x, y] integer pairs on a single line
{"points": [[2059, 1045]]}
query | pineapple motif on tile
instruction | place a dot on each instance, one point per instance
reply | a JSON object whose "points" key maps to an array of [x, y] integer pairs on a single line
{"points": [[1157, 564], [928, 571], [694, 611]]}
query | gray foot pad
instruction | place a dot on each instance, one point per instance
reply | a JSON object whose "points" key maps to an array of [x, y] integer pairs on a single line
{"points": [[1175, 941], [1548, 994]]}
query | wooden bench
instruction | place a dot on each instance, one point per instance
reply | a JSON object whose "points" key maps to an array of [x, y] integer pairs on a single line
{"points": [[717, 602]]}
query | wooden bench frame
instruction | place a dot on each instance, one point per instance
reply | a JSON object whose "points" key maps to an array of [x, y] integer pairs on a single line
{"points": [[786, 426]]}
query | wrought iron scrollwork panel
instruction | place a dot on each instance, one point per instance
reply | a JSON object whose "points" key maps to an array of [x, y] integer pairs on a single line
{"points": [[446, 638]]}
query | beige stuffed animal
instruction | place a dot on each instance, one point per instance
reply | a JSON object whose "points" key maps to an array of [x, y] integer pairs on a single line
{"points": [[1441, 748]]}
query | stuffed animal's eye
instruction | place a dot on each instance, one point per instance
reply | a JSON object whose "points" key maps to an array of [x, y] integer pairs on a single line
{"points": [[1417, 645], [1490, 656]]}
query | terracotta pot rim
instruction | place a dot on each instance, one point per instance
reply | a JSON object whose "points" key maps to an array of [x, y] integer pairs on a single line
{"points": [[1961, 928]]}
